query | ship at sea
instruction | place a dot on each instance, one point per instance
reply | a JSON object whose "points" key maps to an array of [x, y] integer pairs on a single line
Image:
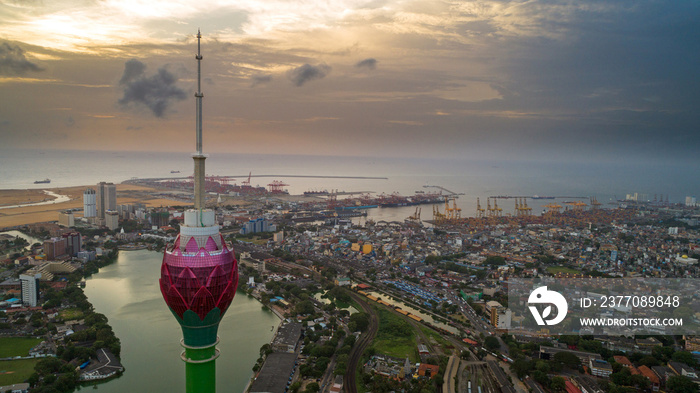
{"points": [[313, 192], [542, 197], [355, 207], [45, 181], [174, 171]]}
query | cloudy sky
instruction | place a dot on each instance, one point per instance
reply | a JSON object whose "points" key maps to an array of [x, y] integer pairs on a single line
{"points": [[576, 79]]}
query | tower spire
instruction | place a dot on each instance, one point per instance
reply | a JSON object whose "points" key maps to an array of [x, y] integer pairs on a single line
{"points": [[199, 157], [199, 275]]}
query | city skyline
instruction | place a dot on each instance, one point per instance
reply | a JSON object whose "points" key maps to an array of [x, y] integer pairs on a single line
{"points": [[589, 80]]}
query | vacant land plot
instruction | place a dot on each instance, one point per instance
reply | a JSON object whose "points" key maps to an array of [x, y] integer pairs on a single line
{"points": [[562, 269], [70, 314], [395, 336], [16, 371], [16, 346]]}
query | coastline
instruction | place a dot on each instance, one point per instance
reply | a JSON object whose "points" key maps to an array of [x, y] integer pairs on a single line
{"points": [[23, 207]]}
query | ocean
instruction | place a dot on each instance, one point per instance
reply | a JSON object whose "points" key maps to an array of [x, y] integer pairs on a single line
{"points": [[607, 181]]}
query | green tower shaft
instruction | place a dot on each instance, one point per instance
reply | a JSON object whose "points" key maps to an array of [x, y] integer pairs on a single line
{"points": [[200, 367], [200, 340]]}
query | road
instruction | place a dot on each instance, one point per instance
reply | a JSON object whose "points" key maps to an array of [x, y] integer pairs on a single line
{"points": [[450, 373]]}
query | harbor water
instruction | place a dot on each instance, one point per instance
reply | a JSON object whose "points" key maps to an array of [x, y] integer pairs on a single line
{"points": [[128, 293]]}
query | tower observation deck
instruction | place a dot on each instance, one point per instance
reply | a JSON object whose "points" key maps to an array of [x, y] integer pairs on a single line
{"points": [[199, 274]]}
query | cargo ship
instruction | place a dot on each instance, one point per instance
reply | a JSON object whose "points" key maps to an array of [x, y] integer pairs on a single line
{"points": [[397, 204], [542, 197], [355, 207], [308, 193], [45, 181]]}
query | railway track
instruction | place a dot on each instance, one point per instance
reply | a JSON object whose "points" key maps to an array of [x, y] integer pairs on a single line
{"points": [[349, 379]]}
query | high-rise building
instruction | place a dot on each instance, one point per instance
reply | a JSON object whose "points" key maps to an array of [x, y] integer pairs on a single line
{"points": [[106, 198], [89, 203], [199, 274], [111, 219], [160, 218], [691, 201], [30, 289], [55, 248], [257, 225], [74, 243]]}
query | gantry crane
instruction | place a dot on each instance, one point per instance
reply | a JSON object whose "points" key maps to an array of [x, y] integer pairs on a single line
{"points": [[553, 208], [498, 211], [479, 210], [246, 183], [527, 210], [415, 218], [456, 212], [276, 187], [438, 217]]}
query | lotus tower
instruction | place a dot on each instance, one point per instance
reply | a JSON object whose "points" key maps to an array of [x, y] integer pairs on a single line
{"points": [[199, 274]]}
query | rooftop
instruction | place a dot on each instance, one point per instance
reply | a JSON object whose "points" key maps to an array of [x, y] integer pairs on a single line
{"points": [[275, 373]]}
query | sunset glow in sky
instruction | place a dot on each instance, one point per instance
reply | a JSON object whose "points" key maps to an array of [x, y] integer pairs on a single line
{"points": [[570, 79]]}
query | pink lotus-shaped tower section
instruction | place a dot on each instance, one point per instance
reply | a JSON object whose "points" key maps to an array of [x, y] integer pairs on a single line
{"points": [[199, 278]]}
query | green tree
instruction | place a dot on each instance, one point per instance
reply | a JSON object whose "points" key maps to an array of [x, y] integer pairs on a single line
{"points": [[567, 359], [491, 343], [681, 384], [304, 307], [358, 322], [684, 357], [522, 367], [558, 384]]}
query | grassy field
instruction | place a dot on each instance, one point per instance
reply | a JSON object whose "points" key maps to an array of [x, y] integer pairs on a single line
{"points": [[16, 371], [256, 240], [562, 269], [446, 346], [70, 314], [16, 346], [391, 338]]}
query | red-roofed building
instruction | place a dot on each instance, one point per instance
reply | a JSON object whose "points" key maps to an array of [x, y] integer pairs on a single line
{"points": [[363, 286], [625, 362], [570, 388], [425, 370], [651, 375]]}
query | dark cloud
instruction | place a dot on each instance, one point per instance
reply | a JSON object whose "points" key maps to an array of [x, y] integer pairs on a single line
{"points": [[133, 69], [13, 61], [260, 79], [367, 63], [308, 72], [157, 92]]}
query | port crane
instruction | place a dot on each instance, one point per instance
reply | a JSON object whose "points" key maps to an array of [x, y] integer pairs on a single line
{"points": [[415, 218], [276, 186], [246, 183], [479, 210]]}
